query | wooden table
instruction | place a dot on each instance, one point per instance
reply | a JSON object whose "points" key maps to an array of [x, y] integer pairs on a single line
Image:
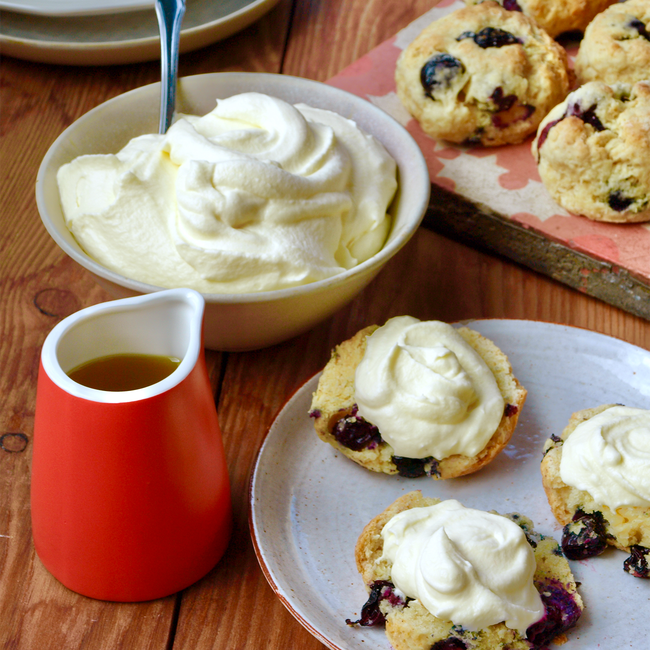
{"points": [[432, 278]]}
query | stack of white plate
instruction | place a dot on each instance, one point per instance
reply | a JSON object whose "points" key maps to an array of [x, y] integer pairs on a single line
{"points": [[107, 32]]}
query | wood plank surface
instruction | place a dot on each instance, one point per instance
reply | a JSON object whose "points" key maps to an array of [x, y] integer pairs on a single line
{"points": [[431, 278]]}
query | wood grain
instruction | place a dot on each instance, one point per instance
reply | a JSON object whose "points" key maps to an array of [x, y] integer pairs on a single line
{"points": [[433, 277]]}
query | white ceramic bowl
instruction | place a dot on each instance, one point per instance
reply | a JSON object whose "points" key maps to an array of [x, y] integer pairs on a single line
{"points": [[255, 320]]}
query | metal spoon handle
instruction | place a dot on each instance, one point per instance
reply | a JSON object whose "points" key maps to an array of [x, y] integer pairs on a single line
{"points": [[170, 16]]}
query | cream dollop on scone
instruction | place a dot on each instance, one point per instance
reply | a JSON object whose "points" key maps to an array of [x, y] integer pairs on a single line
{"points": [[441, 575], [593, 152], [418, 397], [556, 16], [256, 195], [597, 482], [616, 45], [427, 390], [470, 567], [482, 75]]}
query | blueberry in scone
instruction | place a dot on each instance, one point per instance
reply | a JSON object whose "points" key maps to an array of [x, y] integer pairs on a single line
{"points": [[593, 152], [445, 577], [418, 398], [596, 479], [482, 76], [616, 45], [556, 16]]}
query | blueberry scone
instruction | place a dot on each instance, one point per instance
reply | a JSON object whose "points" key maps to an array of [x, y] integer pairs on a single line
{"points": [[593, 152], [616, 45], [556, 16], [482, 75], [597, 482], [418, 398], [445, 577]]}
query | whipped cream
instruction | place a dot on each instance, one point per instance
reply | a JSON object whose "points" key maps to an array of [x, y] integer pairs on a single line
{"points": [[256, 195], [466, 566], [427, 390], [608, 456]]}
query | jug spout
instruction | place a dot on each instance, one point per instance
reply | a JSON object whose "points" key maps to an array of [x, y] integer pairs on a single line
{"points": [[166, 323]]}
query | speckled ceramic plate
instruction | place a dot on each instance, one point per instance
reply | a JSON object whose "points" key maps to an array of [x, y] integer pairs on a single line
{"points": [[116, 38], [309, 503]]}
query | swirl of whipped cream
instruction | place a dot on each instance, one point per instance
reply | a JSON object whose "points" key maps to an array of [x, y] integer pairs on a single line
{"points": [[256, 195], [427, 390], [466, 566], [608, 456]]}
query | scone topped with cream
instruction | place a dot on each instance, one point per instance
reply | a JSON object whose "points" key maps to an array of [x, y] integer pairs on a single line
{"points": [[442, 576], [418, 398], [597, 479]]}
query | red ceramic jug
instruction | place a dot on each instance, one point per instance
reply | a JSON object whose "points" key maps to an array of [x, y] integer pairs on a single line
{"points": [[130, 495]]}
